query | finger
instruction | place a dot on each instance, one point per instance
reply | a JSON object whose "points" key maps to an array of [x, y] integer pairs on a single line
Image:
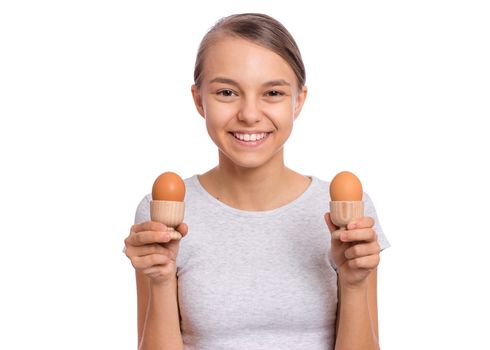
{"points": [[365, 234], [329, 222], [175, 235], [183, 229], [146, 249], [147, 237], [365, 262], [360, 250], [337, 234], [335, 231], [362, 222], [147, 261], [148, 226]]}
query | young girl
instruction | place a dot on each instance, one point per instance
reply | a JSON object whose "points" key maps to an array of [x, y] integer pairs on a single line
{"points": [[261, 266]]}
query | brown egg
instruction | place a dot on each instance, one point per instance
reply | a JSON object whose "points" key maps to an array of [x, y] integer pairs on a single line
{"points": [[168, 187], [345, 186]]}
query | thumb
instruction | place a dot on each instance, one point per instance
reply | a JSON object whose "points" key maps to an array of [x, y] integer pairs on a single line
{"points": [[174, 244], [183, 229], [329, 222]]}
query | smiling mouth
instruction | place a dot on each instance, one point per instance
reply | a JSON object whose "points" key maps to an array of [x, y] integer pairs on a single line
{"points": [[250, 137]]}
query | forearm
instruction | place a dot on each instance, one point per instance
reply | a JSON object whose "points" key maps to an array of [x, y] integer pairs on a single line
{"points": [[162, 326], [355, 328]]}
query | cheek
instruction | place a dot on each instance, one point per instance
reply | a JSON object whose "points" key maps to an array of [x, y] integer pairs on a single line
{"points": [[281, 113], [211, 125], [218, 114], [216, 120]]}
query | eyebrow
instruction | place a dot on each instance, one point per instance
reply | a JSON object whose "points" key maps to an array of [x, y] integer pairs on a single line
{"points": [[277, 82]]}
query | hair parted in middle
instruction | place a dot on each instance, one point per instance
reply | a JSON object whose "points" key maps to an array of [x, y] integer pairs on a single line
{"points": [[259, 29]]}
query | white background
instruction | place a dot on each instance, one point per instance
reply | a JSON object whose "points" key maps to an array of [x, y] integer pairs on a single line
{"points": [[95, 103]]}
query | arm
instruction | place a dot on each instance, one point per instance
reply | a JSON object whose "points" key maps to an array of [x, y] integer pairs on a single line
{"points": [[357, 320], [153, 255], [355, 252], [143, 294], [158, 316]]}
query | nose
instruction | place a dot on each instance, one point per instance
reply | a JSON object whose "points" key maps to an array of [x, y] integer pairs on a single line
{"points": [[249, 112]]}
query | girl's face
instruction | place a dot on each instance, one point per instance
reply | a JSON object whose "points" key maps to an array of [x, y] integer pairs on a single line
{"points": [[249, 97]]}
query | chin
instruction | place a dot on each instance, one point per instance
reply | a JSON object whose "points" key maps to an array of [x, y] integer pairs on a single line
{"points": [[248, 162], [247, 159]]}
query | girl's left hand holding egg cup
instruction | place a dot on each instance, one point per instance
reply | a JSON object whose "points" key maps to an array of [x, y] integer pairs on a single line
{"points": [[355, 250]]}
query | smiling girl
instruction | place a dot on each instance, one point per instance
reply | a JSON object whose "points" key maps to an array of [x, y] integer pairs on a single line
{"points": [[261, 266]]}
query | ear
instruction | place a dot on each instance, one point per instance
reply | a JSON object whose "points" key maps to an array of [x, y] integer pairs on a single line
{"points": [[300, 100], [196, 95]]}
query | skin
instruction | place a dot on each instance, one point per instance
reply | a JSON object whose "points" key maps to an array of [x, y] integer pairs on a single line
{"points": [[355, 251], [246, 87], [153, 256]]}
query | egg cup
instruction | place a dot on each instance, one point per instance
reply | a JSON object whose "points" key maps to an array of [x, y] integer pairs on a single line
{"points": [[170, 213], [343, 212]]}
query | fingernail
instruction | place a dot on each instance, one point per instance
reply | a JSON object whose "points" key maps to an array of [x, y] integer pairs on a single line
{"points": [[351, 226], [343, 236]]}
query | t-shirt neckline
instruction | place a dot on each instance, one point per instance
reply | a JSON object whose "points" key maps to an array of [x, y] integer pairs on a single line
{"points": [[247, 213]]}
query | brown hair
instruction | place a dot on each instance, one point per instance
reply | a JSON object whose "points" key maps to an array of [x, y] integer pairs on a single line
{"points": [[260, 29]]}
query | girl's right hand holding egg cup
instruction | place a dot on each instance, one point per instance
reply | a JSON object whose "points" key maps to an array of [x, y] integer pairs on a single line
{"points": [[152, 251]]}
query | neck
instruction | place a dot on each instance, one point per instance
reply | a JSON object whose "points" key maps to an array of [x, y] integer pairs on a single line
{"points": [[262, 188]]}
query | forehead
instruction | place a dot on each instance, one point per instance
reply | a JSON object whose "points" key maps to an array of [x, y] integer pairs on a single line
{"points": [[242, 60]]}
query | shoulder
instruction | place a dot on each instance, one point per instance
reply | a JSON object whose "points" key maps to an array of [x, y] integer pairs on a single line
{"points": [[320, 188], [319, 184], [143, 210], [190, 184]]}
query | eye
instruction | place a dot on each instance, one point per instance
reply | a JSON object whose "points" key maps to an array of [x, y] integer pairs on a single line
{"points": [[274, 93], [226, 93]]}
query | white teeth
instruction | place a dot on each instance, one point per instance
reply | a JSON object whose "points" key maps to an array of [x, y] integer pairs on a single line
{"points": [[250, 137]]}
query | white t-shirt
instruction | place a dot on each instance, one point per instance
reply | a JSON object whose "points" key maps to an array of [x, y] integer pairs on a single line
{"points": [[257, 280]]}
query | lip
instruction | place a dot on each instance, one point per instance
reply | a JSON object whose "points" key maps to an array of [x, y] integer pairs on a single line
{"points": [[250, 144], [250, 131]]}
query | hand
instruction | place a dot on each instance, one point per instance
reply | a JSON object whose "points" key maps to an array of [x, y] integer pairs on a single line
{"points": [[151, 250], [355, 250]]}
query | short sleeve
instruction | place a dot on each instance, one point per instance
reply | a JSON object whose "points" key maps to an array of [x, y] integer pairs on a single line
{"points": [[370, 210], [143, 210]]}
